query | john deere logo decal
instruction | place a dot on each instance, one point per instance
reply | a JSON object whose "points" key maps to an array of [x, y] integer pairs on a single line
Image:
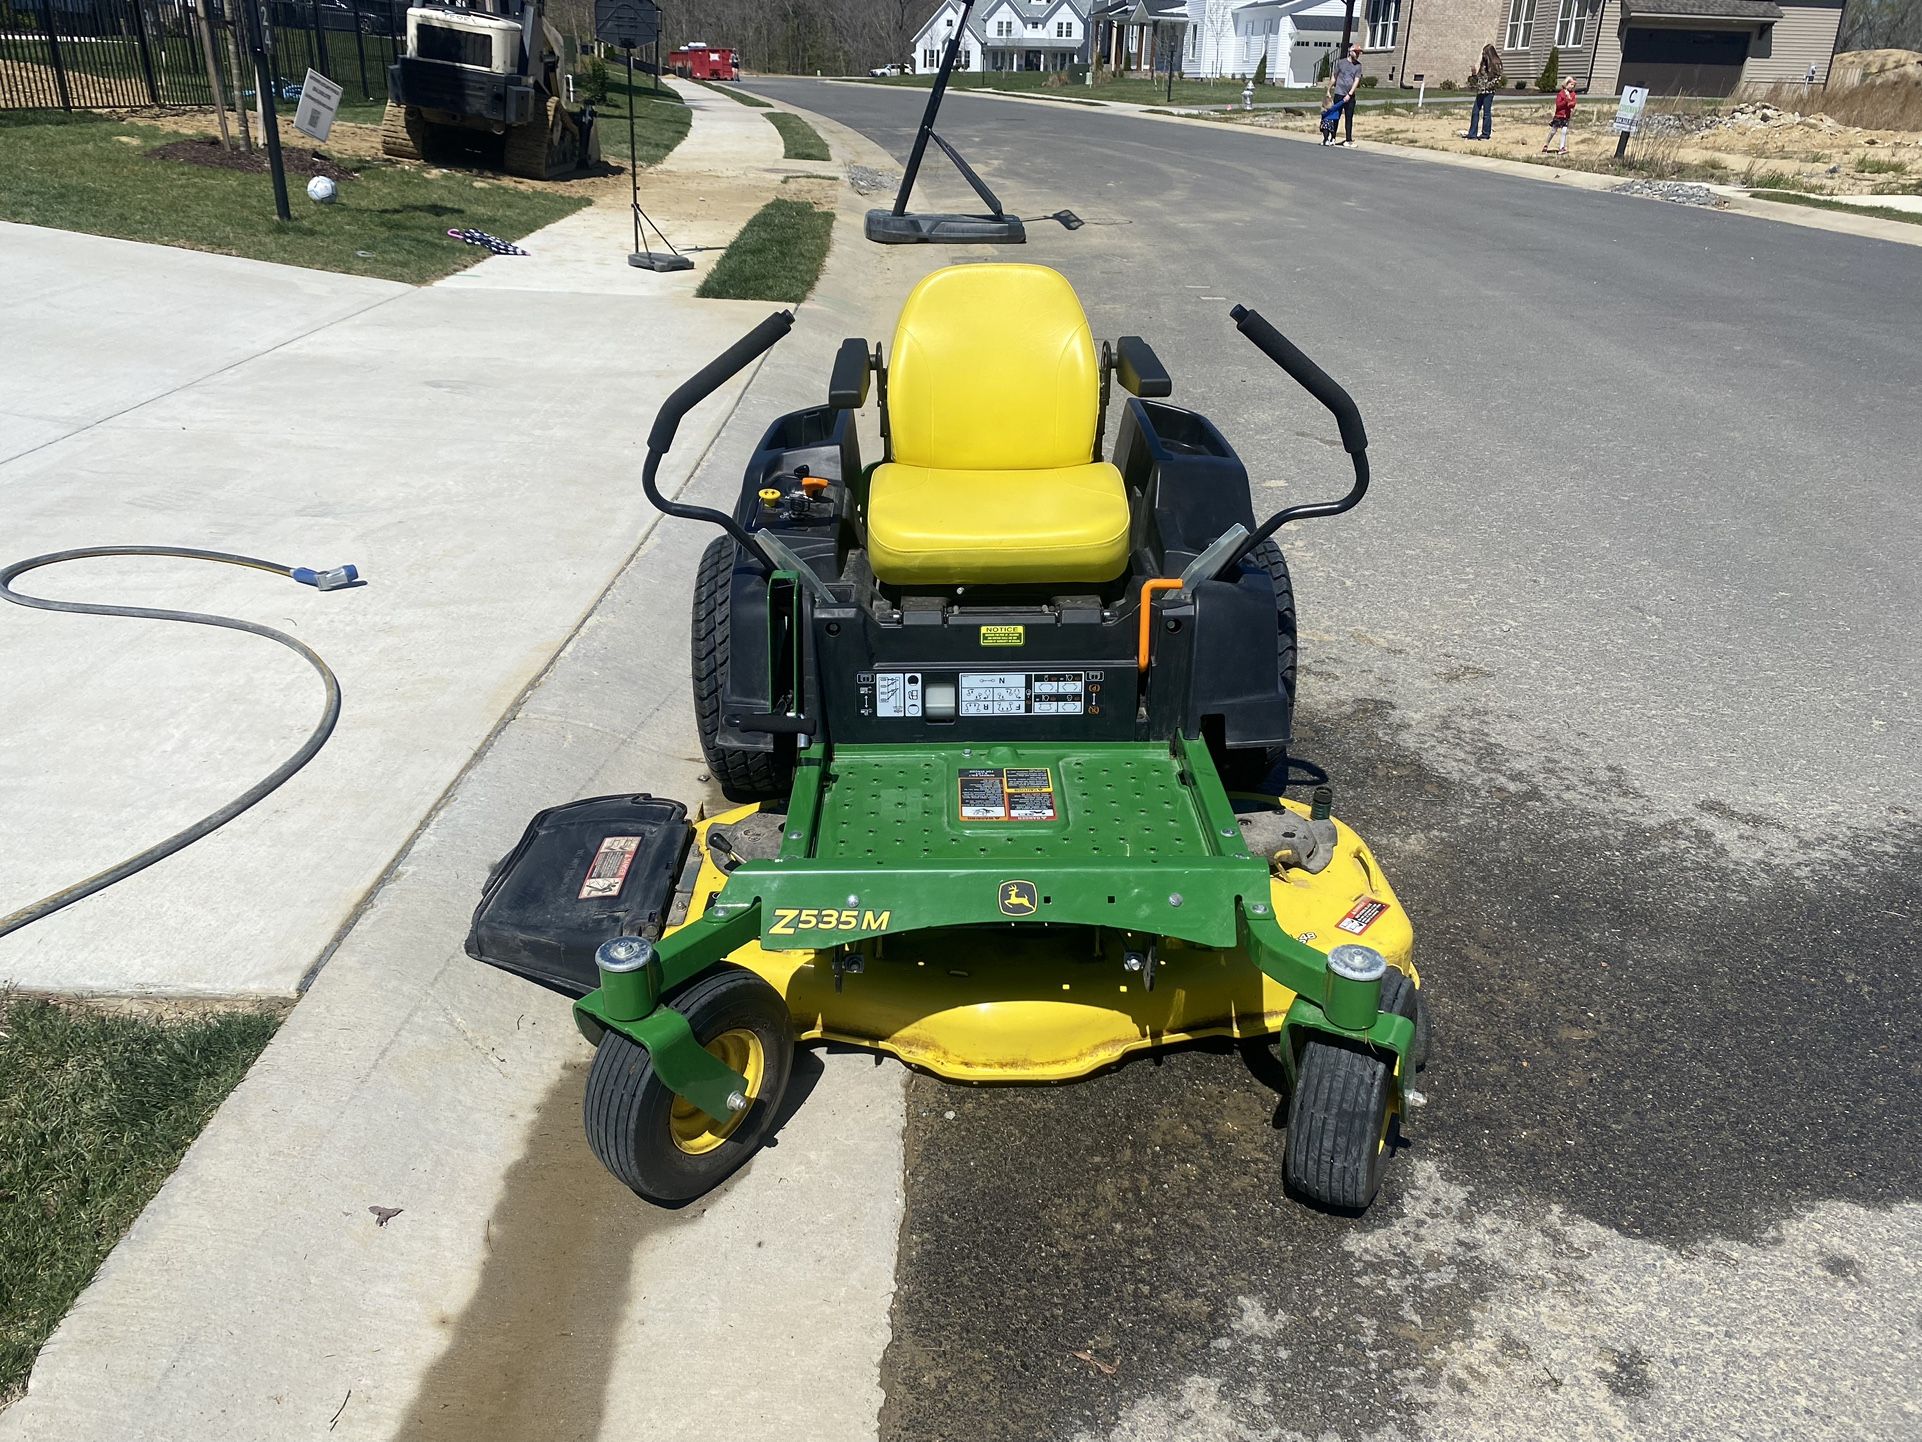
{"points": [[1018, 898]]}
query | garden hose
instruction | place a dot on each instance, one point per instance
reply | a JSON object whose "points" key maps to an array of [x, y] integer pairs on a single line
{"points": [[323, 580]]}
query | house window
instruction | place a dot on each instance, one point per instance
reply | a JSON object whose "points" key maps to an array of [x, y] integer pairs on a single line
{"points": [[1384, 21], [1570, 22], [929, 58], [967, 60], [1061, 29], [1521, 25], [1004, 28]]}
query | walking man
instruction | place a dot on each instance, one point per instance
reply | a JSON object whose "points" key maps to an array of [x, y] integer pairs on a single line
{"points": [[1346, 80]]}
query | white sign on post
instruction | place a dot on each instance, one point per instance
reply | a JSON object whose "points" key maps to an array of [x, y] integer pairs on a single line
{"points": [[1628, 116], [318, 104]]}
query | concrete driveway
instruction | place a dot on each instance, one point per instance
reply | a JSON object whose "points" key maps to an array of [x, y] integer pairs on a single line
{"points": [[475, 450]]}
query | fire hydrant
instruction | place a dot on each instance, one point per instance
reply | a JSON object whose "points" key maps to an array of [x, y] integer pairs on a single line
{"points": [[1248, 96]]}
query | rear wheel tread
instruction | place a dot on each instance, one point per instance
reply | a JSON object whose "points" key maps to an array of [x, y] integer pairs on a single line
{"points": [[744, 775]]}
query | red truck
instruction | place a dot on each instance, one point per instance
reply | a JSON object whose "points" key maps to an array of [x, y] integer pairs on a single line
{"points": [[705, 62]]}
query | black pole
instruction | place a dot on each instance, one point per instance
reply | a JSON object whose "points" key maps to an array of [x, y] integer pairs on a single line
{"points": [[53, 54], [633, 167], [269, 117], [1347, 26], [934, 104], [1171, 71], [146, 53], [360, 48], [1621, 145]]}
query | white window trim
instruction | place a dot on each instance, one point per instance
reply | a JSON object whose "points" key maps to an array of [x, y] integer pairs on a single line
{"points": [[1571, 21], [1520, 31], [1394, 25]]}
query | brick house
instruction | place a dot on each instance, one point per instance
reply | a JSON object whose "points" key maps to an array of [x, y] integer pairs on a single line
{"points": [[1674, 47]]}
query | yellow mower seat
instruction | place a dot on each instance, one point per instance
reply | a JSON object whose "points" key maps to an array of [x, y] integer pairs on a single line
{"points": [[993, 395]]}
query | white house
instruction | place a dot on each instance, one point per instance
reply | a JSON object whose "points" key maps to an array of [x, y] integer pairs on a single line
{"points": [[1230, 37], [1008, 35]]}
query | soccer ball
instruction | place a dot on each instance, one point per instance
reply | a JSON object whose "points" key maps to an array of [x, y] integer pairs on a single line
{"points": [[321, 190]]}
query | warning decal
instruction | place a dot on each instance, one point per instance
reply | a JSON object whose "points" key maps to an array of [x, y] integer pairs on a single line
{"points": [[608, 869], [982, 795], [1018, 793], [1004, 635], [1362, 915]]}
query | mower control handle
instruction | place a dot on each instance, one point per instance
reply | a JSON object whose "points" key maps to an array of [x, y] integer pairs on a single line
{"points": [[1311, 377], [715, 374], [690, 393], [1324, 388]]}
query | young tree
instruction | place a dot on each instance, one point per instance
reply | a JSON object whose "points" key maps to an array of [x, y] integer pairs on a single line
{"points": [[1551, 74], [1261, 67]]}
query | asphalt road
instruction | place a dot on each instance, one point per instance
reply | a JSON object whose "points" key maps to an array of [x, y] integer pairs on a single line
{"points": [[1617, 668]]}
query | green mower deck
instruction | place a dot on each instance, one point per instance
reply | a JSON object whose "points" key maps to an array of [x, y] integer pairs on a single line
{"points": [[1134, 837]]}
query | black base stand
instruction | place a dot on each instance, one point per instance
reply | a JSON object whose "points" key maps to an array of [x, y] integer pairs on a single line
{"points": [[885, 227], [898, 227], [643, 256]]}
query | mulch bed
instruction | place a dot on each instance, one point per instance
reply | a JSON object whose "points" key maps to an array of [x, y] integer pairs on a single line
{"points": [[215, 156]]}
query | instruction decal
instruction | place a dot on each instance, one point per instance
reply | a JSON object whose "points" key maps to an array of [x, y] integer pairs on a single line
{"points": [[1014, 793], [1019, 898], [1004, 635], [608, 869], [897, 693], [1024, 693], [1362, 915]]}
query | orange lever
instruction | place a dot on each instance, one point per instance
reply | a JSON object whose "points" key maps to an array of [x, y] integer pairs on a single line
{"points": [[814, 485], [1148, 588]]}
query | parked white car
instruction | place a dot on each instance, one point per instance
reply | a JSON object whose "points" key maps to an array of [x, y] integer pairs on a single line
{"points": [[882, 71]]}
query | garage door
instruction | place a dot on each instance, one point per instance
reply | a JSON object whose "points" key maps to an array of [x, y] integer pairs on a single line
{"points": [[1684, 62]]}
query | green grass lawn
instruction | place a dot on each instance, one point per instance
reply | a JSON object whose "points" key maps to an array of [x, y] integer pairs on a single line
{"points": [[94, 173], [777, 256], [1818, 202], [754, 102], [661, 120], [96, 1110], [799, 140]]}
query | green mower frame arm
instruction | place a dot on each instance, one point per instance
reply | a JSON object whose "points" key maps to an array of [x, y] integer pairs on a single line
{"points": [[1324, 388]]}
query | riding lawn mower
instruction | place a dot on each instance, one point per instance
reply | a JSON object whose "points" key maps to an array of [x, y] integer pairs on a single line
{"points": [[1004, 723]]}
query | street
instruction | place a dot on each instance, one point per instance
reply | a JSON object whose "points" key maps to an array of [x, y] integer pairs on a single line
{"points": [[1616, 668]]}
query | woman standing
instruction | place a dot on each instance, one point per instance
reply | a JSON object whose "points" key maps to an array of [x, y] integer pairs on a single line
{"points": [[1488, 79]]}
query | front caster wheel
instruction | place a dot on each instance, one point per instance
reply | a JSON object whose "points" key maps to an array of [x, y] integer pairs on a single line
{"points": [[668, 1150], [1344, 1110]]}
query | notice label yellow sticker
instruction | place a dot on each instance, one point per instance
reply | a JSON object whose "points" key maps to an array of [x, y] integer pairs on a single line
{"points": [[1004, 635]]}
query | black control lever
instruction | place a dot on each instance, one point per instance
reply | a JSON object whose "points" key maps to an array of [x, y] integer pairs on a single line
{"points": [[1324, 388], [690, 393], [773, 723]]}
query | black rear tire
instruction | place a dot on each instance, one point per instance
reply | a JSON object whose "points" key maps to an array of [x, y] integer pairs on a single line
{"points": [[1245, 769], [1399, 994], [630, 1114], [743, 774]]}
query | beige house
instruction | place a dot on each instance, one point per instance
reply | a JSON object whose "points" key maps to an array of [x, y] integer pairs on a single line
{"points": [[1674, 47]]}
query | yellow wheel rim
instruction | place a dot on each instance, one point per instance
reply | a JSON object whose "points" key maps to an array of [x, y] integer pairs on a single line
{"points": [[693, 1130]]}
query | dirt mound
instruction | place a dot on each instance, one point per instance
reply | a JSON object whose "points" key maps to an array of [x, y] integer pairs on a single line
{"points": [[215, 156], [1852, 67]]}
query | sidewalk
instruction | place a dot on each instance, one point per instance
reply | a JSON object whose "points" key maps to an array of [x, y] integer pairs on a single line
{"points": [[520, 1292], [472, 446]]}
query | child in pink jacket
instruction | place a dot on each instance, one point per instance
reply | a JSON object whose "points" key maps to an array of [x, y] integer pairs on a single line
{"points": [[1564, 113]]}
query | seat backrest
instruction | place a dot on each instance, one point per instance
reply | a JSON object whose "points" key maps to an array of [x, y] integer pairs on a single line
{"points": [[993, 368]]}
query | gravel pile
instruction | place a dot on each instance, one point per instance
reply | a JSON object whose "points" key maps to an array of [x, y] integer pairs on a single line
{"points": [[1679, 191], [866, 180]]}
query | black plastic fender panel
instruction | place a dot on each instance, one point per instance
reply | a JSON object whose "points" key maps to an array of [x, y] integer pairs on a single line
{"points": [[580, 874]]}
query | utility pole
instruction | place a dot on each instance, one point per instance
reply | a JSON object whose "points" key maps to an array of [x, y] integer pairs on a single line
{"points": [[1347, 27]]}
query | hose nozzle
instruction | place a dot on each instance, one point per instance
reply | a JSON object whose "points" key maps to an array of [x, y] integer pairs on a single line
{"points": [[332, 580]]}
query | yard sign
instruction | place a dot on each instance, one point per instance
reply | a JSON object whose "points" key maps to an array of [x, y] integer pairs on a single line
{"points": [[319, 101], [1628, 118]]}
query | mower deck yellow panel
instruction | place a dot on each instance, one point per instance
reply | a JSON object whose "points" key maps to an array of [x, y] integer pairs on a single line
{"points": [[1012, 1004]]}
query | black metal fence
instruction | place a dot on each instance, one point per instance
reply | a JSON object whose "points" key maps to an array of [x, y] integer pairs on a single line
{"points": [[127, 54]]}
